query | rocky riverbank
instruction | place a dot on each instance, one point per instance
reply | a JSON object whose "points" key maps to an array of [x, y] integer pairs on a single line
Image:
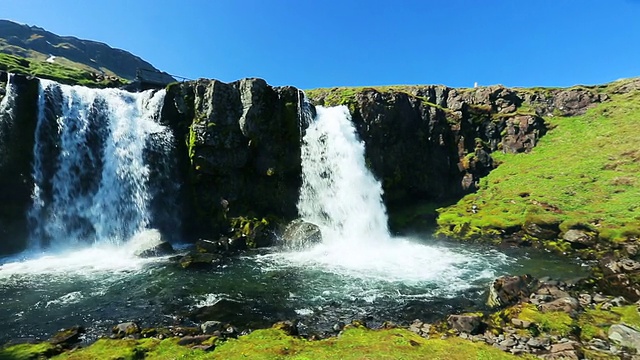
{"points": [[532, 317]]}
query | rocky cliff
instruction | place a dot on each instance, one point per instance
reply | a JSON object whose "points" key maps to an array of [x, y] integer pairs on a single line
{"points": [[434, 143], [239, 149], [17, 131]]}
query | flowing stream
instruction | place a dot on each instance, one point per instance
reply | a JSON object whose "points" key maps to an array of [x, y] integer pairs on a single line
{"points": [[97, 160]]}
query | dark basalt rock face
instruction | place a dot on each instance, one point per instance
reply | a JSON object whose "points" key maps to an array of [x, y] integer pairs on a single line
{"points": [[434, 143], [17, 131], [239, 147]]}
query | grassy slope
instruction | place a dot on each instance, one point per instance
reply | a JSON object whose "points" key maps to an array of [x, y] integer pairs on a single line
{"points": [[53, 71], [355, 343], [585, 171]]}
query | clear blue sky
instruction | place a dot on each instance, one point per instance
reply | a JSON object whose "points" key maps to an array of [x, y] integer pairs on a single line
{"points": [[326, 43]]}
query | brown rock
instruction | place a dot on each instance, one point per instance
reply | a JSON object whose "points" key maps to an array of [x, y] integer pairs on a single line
{"points": [[579, 239], [566, 304], [471, 324], [507, 290]]}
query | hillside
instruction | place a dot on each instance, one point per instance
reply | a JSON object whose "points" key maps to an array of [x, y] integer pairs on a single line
{"points": [[557, 167], [584, 174], [39, 46]]}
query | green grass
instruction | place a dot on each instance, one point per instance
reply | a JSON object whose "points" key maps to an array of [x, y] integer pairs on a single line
{"points": [[552, 322], [346, 95], [354, 343], [53, 71], [584, 173]]}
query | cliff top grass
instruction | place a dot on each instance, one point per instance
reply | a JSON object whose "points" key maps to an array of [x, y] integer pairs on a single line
{"points": [[585, 173], [346, 95], [53, 71], [354, 343]]}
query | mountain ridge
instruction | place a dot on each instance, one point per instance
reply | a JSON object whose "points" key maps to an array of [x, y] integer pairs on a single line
{"points": [[36, 43]]}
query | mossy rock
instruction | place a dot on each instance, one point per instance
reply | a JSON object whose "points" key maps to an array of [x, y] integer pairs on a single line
{"points": [[255, 232]]}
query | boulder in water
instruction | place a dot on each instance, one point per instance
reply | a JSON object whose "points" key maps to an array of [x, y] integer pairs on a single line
{"points": [[149, 243], [67, 337], [200, 260], [299, 234]]}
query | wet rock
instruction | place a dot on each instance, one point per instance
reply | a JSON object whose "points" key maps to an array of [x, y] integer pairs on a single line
{"points": [[546, 232], [614, 266], [625, 336], [618, 301], [507, 290], [569, 350], [599, 344], [599, 298], [66, 338], [204, 347], [471, 324], [300, 234], [208, 327], [200, 261], [150, 243], [288, 326], [539, 342], [508, 343], [585, 300], [209, 246], [566, 304], [125, 329], [193, 340], [230, 331], [579, 239], [420, 328], [222, 310], [520, 324]]}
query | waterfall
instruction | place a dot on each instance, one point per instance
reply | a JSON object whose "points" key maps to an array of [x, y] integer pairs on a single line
{"points": [[91, 171], [339, 193], [6, 113]]}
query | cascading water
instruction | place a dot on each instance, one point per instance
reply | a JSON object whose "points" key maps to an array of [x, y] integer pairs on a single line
{"points": [[339, 193], [91, 180], [6, 111]]}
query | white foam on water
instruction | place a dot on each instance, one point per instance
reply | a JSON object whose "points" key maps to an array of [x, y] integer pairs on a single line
{"points": [[83, 262], [70, 298], [97, 191], [340, 195]]}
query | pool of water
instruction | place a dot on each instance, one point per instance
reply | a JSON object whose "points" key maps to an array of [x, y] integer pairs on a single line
{"points": [[399, 281]]}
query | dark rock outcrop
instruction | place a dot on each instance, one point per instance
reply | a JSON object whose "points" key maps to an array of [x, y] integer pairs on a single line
{"points": [[239, 149], [17, 133], [450, 133], [508, 290]]}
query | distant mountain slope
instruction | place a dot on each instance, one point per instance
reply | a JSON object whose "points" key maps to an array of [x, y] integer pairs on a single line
{"points": [[36, 43]]}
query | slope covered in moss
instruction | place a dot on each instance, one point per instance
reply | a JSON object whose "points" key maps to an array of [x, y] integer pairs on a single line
{"points": [[64, 74], [355, 343], [584, 174]]}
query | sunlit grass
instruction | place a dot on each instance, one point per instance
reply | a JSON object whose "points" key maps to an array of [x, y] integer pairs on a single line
{"points": [[585, 172], [52, 71]]}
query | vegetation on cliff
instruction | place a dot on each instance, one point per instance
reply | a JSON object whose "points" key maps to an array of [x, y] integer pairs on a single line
{"points": [[584, 174], [53, 71], [85, 56], [354, 343]]}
